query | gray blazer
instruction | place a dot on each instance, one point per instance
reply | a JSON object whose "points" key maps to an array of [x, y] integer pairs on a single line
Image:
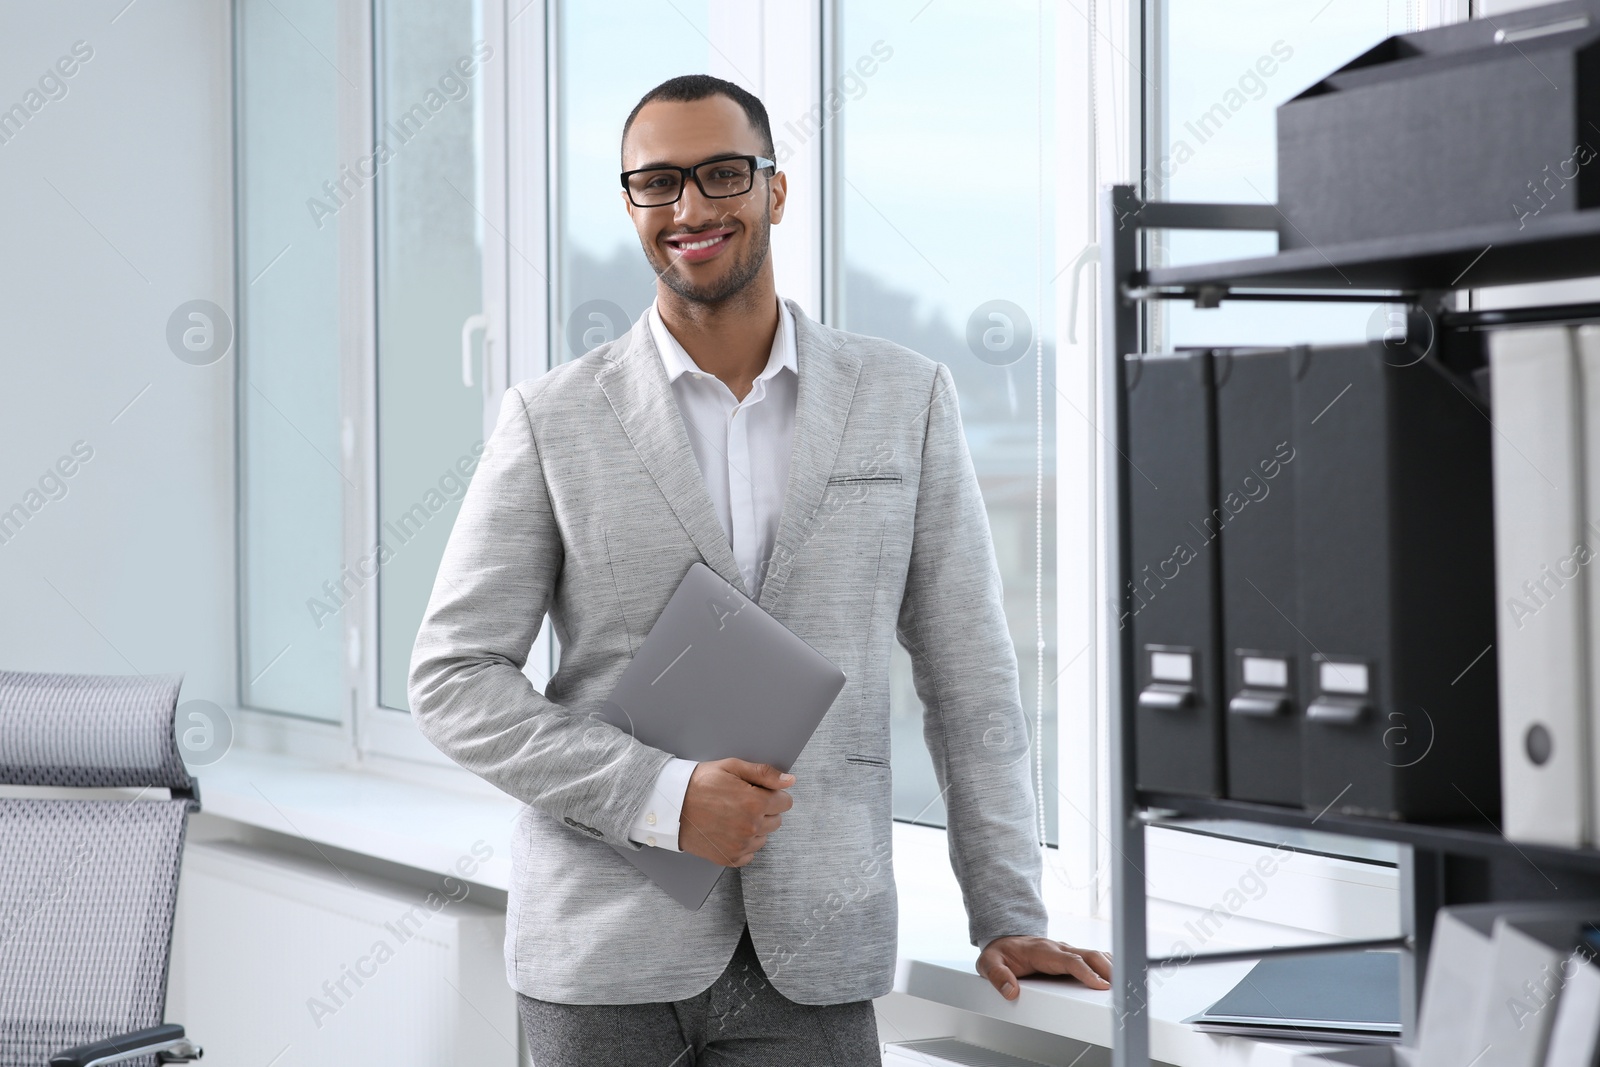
{"points": [[588, 504]]}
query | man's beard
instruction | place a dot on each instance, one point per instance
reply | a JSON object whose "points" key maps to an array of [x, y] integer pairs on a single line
{"points": [[742, 273]]}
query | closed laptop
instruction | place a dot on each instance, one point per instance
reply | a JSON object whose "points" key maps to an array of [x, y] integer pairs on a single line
{"points": [[717, 677]]}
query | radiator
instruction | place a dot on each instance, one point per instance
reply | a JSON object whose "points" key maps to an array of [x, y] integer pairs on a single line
{"points": [[283, 960]]}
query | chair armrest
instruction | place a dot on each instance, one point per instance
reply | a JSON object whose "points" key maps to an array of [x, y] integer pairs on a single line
{"points": [[166, 1039]]}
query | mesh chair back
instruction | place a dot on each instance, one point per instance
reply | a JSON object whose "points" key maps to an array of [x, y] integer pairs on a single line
{"points": [[87, 887]]}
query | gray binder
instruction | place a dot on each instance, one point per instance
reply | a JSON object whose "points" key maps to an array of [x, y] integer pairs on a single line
{"points": [[717, 678]]}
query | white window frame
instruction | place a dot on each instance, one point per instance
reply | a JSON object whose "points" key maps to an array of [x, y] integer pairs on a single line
{"points": [[1077, 873], [288, 732]]}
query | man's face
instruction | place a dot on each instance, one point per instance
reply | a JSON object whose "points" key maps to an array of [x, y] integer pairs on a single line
{"points": [[682, 134]]}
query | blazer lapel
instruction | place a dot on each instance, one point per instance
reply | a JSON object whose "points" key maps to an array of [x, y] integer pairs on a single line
{"points": [[827, 377], [635, 382]]}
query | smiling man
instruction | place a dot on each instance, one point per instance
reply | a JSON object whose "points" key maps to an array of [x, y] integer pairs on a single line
{"points": [[827, 476]]}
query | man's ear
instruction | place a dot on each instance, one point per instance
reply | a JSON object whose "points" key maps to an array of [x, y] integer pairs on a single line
{"points": [[779, 193]]}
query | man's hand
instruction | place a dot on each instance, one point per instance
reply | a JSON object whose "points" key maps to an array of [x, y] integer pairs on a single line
{"points": [[1009, 958], [730, 807]]}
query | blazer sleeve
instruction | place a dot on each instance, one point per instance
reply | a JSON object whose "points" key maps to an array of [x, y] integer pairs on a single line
{"points": [[952, 622], [468, 694]]}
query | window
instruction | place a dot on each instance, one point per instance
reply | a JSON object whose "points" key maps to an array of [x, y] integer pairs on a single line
{"points": [[418, 271], [384, 305], [372, 301], [440, 296], [944, 221], [602, 280], [293, 477], [1210, 121], [385, 254], [1212, 118]]}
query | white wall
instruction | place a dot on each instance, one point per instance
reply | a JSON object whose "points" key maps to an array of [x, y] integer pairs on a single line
{"points": [[118, 210]]}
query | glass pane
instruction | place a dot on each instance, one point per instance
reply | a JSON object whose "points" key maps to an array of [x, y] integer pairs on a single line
{"points": [[925, 263], [431, 61], [292, 488], [603, 282], [1226, 70]]}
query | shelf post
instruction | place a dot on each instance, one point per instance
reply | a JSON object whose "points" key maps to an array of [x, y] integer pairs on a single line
{"points": [[1421, 894], [1119, 325]]}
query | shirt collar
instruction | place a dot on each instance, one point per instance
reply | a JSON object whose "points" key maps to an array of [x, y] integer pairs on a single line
{"points": [[677, 360]]}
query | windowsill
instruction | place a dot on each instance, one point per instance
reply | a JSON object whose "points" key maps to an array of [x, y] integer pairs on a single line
{"points": [[429, 827], [426, 827], [1065, 1008], [936, 964]]}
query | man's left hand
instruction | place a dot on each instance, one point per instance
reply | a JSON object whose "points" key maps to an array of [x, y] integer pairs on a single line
{"points": [[1009, 958]]}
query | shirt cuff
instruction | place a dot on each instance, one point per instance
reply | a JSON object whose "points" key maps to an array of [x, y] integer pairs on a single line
{"points": [[657, 824]]}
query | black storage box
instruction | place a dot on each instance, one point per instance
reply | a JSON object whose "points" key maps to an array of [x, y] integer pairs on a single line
{"points": [[1496, 120], [1174, 524], [1259, 643], [1394, 586]]}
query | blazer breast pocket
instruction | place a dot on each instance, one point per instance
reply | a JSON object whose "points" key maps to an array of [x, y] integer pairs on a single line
{"points": [[855, 506], [846, 489], [848, 479]]}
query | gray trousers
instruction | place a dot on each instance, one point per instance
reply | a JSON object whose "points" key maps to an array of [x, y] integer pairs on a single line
{"points": [[740, 1020]]}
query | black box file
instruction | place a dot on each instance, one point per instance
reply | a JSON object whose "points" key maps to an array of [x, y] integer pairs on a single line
{"points": [[1487, 121], [1173, 595], [1394, 575], [1260, 647]]}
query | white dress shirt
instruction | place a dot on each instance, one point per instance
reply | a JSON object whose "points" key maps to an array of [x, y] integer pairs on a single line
{"points": [[743, 451]]}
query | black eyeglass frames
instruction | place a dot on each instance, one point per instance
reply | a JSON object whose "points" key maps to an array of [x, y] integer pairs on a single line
{"points": [[718, 179]]}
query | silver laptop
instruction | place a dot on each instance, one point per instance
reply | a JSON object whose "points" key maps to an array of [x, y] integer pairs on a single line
{"points": [[718, 677]]}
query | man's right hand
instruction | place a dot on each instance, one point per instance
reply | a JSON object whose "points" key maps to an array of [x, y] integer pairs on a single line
{"points": [[730, 807]]}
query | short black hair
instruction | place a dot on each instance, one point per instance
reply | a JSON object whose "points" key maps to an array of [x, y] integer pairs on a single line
{"points": [[687, 87]]}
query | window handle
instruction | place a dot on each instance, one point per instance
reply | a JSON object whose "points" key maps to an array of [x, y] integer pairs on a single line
{"points": [[1090, 254], [474, 324]]}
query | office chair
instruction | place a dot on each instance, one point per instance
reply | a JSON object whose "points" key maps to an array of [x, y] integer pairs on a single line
{"points": [[87, 887]]}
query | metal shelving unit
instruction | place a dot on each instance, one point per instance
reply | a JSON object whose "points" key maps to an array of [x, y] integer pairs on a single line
{"points": [[1440, 863]]}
